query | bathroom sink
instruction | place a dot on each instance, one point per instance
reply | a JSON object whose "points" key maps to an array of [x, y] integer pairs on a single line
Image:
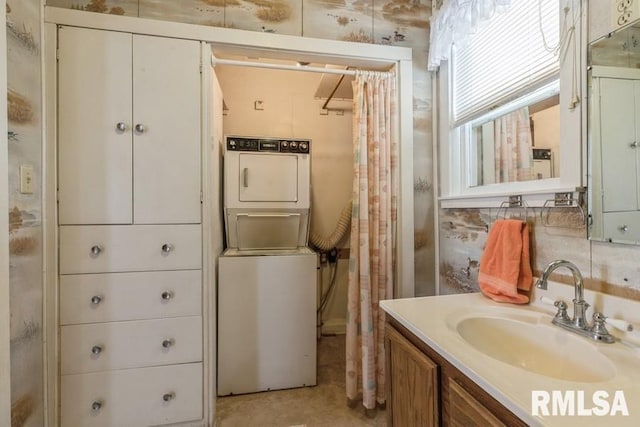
{"points": [[539, 348]]}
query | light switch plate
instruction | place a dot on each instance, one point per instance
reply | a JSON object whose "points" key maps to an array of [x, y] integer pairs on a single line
{"points": [[26, 179]]}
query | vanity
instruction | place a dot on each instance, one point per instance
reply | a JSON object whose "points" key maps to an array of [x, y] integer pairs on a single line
{"points": [[461, 360]]}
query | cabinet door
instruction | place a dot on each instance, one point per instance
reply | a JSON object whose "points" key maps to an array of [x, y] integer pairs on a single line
{"points": [[166, 149], [618, 127], [94, 156], [412, 388], [465, 410]]}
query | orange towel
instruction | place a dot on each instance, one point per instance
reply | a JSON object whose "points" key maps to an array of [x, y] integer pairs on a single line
{"points": [[505, 270]]}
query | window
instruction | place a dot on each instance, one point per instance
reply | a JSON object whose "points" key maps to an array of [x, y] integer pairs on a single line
{"points": [[513, 53], [516, 72]]}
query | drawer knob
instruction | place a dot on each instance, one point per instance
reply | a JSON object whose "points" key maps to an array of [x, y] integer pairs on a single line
{"points": [[167, 397], [121, 127], [167, 247], [624, 228], [96, 405], [96, 250], [168, 343], [96, 299], [96, 349], [167, 295], [140, 128]]}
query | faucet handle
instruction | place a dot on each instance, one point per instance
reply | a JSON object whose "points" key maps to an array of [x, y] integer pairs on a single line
{"points": [[562, 310], [560, 305]]}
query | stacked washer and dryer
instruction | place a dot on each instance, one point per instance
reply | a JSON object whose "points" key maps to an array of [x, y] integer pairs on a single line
{"points": [[267, 276]]}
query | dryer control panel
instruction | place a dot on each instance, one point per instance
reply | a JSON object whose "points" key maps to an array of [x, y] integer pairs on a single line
{"points": [[269, 145]]}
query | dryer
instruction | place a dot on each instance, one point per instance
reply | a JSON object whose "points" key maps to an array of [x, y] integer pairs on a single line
{"points": [[267, 192]]}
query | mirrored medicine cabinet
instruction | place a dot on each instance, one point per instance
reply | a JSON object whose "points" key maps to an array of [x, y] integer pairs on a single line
{"points": [[614, 136]]}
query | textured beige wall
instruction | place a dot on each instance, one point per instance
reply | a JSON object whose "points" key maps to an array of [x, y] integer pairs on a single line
{"points": [[25, 210]]}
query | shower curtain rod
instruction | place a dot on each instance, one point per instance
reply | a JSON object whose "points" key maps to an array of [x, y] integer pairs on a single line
{"points": [[215, 61]]}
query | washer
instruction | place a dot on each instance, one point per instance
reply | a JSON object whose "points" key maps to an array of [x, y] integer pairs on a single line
{"points": [[266, 320]]}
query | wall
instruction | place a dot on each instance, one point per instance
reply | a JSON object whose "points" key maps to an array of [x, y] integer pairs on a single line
{"points": [[393, 22], [547, 133], [290, 111], [25, 211], [559, 233]]}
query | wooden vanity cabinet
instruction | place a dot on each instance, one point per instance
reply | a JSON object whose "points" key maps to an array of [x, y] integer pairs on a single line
{"points": [[424, 389]]}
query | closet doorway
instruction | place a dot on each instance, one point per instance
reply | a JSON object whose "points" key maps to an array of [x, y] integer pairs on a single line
{"points": [[273, 56]]}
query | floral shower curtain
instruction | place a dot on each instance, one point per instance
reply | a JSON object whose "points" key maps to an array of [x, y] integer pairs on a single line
{"points": [[373, 233], [513, 147]]}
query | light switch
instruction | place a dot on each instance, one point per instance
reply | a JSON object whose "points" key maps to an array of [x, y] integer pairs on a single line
{"points": [[26, 179]]}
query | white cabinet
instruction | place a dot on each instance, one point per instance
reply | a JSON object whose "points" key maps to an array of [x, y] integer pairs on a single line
{"points": [[130, 237], [620, 128], [616, 155], [129, 124]]}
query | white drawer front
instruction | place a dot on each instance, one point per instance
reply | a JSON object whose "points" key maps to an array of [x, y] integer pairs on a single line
{"points": [[121, 345], [132, 397], [94, 298], [114, 248]]}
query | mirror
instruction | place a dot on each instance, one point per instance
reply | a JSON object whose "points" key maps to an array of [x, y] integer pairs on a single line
{"points": [[520, 145], [614, 136]]}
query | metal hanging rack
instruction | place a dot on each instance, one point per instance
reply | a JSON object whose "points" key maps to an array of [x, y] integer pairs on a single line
{"points": [[563, 200], [514, 202]]}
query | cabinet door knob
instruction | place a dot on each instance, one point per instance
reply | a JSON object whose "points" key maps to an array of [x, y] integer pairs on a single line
{"points": [[624, 228], [96, 250], [168, 396], [167, 247], [96, 405], [96, 299], [168, 343], [121, 126], [96, 349], [634, 144], [167, 295], [140, 128]]}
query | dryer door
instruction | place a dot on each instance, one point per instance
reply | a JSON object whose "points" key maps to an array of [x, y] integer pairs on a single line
{"points": [[268, 177]]}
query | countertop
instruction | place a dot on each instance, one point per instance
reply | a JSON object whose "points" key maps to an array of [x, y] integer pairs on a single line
{"points": [[434, 320]]}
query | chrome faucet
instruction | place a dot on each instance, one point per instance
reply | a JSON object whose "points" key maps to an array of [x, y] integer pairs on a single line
{"points": [[579, 323]]}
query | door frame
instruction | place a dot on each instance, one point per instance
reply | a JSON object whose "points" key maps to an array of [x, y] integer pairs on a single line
{"points": [[239, 42]]}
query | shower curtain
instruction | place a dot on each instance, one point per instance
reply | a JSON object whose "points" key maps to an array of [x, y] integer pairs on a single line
{"points": [[513, 147], [373, 233]]}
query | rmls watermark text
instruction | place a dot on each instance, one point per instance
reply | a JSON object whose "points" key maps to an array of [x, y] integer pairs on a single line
{"points": [[578, 403]]}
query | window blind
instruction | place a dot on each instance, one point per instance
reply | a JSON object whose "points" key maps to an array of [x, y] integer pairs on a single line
{"points": [[505, 58]]}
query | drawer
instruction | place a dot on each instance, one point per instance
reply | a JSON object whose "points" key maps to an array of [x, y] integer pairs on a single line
{"points": [[132, 397], [121, 345], [95, 298], [120, 248]]}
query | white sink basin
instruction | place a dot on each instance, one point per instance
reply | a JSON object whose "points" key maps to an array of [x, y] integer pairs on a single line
{"points": [[539, 348]]}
